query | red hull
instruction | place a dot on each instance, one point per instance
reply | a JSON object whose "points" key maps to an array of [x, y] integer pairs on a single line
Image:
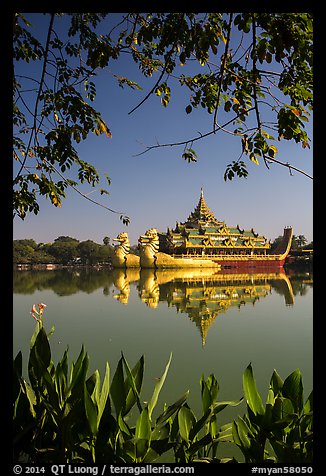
{"points": [[251, 263], [275, 261]]}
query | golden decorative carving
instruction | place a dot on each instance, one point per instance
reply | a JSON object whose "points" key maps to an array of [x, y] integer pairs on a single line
{"points": [[150, 257], [121, 257]]}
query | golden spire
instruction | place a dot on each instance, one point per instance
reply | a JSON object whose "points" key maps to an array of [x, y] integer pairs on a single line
{"points": [[202, 211]]}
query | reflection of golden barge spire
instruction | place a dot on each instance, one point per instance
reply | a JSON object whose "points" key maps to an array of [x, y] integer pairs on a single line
{"points": [[204, 298], [203, 323]]}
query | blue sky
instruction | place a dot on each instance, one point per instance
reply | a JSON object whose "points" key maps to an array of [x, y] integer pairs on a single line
{"points": [[158, 188]]}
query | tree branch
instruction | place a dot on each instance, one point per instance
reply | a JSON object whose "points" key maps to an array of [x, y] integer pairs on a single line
{"points": [[150, 92], [286, 164], [172, 144], [222, 71], [201, 136], [254, 70], [38, 94], [51, 166], [161, 75]]}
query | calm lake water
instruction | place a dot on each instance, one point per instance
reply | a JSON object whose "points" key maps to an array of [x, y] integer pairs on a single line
{"points": [[211, 322]]}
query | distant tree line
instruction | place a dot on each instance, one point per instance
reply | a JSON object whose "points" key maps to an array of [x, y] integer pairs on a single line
{"points": [[64, 250], [70, 251]]}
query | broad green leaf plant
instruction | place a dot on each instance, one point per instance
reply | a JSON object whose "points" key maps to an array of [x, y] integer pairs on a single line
{"points": [[62, 415], [285, 422]]}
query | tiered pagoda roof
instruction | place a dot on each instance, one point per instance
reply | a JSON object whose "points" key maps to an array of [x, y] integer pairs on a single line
{"points": [[202, 214], [202, 231]]}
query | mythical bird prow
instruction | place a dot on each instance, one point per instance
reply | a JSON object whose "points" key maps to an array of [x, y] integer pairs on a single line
{"points": [[122, 258]]}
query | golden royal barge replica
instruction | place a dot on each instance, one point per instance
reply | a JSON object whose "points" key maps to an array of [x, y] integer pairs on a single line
{"points": [[201, 242], [202, 236]]}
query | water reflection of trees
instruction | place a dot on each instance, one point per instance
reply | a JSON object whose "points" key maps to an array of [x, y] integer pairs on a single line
{"points": [[301, 284], [63, 282]]}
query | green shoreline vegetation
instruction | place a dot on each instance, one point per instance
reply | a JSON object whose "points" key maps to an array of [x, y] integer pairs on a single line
{"points": [[62, 415]]}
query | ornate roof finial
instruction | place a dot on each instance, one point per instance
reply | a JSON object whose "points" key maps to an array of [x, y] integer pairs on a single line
{"points": [[202, 212]]}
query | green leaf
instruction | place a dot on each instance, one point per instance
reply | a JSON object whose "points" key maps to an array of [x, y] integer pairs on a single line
{"points": [[276, 383], [93, 386], [78, 374], [161, 433], [131, 384], [251, 393], [308, 407], [136, 448], [17, 374], [51, 389], [293, 389], [165, 101], [158, 91], [199, 445], [240, 432], [123, 425], [190, 155], [40, 358], [205, 397], [253, 158], [219, 406], [209, 391], [272, 150], [158, 386], [186, 421], [38, 326], [143, 426], [137, 374], [117, 390], [52, 330], [182, 57], [269, 408], [104, 393], [227, 106], [91, 411], [31, 397], [61, 375], [199, 424], [283, 409], [171, 410], [225, 433]]}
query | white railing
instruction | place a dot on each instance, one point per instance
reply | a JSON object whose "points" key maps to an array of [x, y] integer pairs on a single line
{"points": [[235, 257]]}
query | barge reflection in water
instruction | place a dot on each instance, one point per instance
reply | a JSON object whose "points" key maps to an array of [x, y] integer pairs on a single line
{"points": [[203, 294]]}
